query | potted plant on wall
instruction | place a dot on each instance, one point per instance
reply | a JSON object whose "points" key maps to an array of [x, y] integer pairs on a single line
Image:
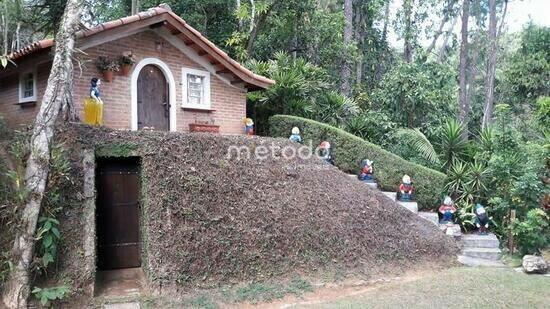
{"points": [[204, 126], [107, 67], [126, 62]]}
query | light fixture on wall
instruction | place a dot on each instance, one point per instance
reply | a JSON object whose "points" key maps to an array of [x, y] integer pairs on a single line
{"points": [[159, 47]]}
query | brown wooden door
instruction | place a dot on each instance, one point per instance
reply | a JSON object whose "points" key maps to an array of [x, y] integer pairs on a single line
{"points": [[152, 98], [118, 215]]}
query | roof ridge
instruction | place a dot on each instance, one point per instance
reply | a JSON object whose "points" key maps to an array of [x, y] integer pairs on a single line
{"points": [[151, 12]]}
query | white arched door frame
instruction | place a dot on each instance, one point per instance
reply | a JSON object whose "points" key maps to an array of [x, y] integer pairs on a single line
{"points": [[171, 89]]}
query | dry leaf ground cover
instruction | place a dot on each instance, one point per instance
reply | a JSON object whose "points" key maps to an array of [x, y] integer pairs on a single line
{"points": [[208, 219]]}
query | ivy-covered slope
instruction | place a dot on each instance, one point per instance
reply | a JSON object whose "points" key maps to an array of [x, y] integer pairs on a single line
{"points": [[209, 218], [350, 150]]}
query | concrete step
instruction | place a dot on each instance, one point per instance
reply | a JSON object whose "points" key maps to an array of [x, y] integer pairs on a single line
{"points": [[451, 230], [480, 241], [493, 254], [412, 206], [477, 262], [430, 216], [373, 184], [391, 195]]}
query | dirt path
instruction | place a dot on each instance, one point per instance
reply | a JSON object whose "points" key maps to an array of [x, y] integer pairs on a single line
{"points": [[329, 292]]}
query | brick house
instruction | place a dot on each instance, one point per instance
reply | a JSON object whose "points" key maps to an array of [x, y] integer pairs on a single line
{"points": [[171, 57]]}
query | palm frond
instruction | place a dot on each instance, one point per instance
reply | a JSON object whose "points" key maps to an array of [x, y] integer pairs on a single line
{"points": [[420, 143]]}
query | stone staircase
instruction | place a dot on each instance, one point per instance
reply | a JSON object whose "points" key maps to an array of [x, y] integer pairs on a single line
{"points": [[412, 206], [477, 250], [480, 250]]}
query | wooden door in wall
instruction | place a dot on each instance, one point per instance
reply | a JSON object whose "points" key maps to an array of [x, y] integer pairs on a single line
{"points": [[152, 99], [118, 244]]}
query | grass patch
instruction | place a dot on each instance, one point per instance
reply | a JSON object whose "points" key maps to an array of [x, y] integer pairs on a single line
{"points": [[462, 287], [262, 292], [202, 301]]}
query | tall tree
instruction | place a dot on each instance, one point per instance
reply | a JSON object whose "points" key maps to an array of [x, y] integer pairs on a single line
{"points": [[491, 62], [345, 88], [491, 65], [447, 13], [463, 102], [361, 11], [135, 7], [55, 99], [408, 31]]}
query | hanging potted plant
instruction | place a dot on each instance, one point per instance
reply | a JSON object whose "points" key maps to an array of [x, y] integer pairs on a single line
{"points": [[107, 67], [126, 62]]}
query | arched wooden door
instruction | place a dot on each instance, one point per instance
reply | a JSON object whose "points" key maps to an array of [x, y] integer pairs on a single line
{"points": [[152, 99]]}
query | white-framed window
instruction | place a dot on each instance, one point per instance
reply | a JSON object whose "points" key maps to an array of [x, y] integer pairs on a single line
{"points": [[196, 88], [27, 86]]}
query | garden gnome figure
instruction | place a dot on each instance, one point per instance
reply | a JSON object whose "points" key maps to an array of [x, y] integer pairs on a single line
{"points": [[93, 106], [325, 152], [447, 210], [295, 137], [249, 126], [482, 219], [406, 189], [367, 171]]}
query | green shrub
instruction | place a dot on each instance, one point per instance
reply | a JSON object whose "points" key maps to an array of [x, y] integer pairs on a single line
{"points": [[533, 233], [349, 150]]}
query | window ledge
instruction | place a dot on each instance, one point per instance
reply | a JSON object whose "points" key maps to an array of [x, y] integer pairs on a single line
{"points": [[197, 109], [24, 104]]}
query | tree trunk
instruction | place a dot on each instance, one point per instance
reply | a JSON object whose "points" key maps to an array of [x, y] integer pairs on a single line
{"points": [[345, 88], [407, 48], [240, 20], [57, 93], [491, 63], [135, 7], [448, 34], [382, 57], [252, 15], [386, 21], [463, 103], [255, 27], [360, 32], [446, 15]]}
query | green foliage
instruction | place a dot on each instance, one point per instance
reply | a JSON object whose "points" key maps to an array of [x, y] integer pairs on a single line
{"points": [[533, 233], [48, 232], [415, 146], [374, 126], [542, 114], [452, 146], [299, 84], [417, 95], [349, 150], [47, 295], [334, 109], [48, 235], [125, 149], [526, 75]]}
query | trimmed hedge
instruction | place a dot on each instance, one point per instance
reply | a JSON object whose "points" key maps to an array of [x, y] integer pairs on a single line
{"points": [[349, 150]]}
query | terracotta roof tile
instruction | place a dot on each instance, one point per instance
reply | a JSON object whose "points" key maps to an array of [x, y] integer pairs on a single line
{"points": [[48, 43]]}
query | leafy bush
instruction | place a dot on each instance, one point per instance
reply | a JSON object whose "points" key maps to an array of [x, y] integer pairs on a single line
{"points": [[417, 95], [46, 295], [533, 233], [349, 150]]}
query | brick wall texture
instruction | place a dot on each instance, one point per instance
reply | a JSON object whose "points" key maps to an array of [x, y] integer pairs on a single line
{"points": [[228, 102]]}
